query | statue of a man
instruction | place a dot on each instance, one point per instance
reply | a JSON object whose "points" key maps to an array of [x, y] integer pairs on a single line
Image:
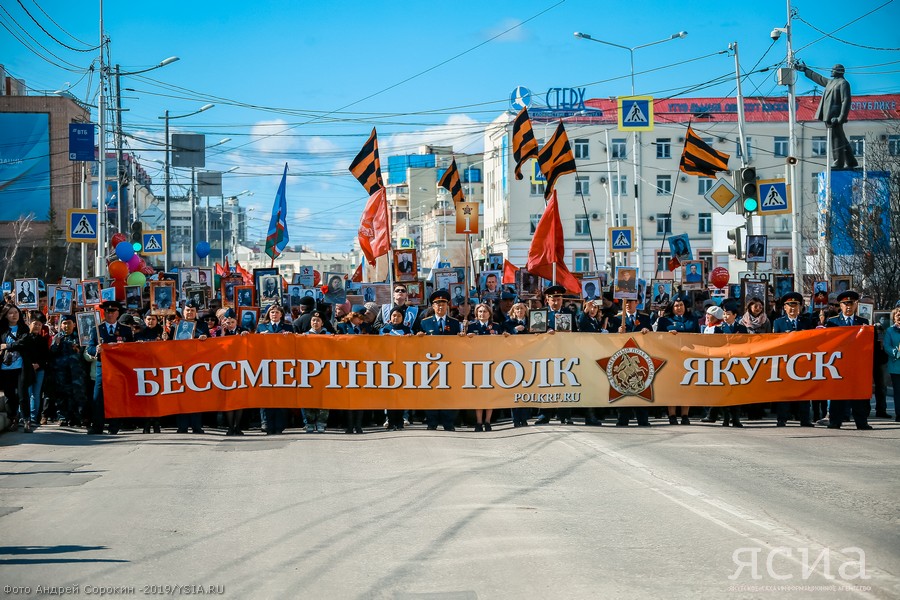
{"points": [[833, 111]]}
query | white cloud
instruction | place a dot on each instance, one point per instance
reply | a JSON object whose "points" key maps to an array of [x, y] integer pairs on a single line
{"points": [[515, 32], [462, 132]]}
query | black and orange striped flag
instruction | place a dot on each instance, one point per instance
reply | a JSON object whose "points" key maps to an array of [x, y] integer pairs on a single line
{"points": [[366, 167], [450, 182], [523, 142], [699, 158], [556, 158]]}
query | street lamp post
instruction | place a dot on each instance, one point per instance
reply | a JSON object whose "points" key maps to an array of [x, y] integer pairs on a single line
{"points": [[222, 221], [637, 137], [168, 204]]}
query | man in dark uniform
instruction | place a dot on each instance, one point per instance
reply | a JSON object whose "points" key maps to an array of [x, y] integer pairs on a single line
{"points": [[553, 298], [860, 408], [109, 332], [790, 322], [440, 323], [632, 321], [411, 314]]}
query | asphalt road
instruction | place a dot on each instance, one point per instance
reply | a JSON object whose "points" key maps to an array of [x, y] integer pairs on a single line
{"points": [[538, 512]]}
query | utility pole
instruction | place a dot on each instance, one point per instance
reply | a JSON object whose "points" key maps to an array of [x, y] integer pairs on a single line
{"points": [[100, 264]]}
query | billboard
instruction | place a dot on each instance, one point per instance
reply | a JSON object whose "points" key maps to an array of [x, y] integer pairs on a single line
{"points": [[24, 165]]}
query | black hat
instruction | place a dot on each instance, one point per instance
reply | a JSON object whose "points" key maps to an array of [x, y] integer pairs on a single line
{"points": [[439, 295], [229, 314], [307, 301], [848, 295], [796, 296], [507, 296], [67, 318], [398, 309], [318, 314], [731, 306], [555, 290], [108, 304], [129, 320]]}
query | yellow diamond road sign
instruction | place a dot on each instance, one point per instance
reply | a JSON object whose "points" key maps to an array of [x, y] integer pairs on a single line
{"points": [[722, 195]]}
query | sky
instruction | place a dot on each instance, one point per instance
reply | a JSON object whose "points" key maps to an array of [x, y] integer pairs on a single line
{"points": [[304, 82]]}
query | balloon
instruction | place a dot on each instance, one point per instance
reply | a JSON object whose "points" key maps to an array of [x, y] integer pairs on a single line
{"points": [[120, 289], [134, 263], [118, 270], [202, 249], [719, 277], [124, 250], [117, 239], [137, 278]]}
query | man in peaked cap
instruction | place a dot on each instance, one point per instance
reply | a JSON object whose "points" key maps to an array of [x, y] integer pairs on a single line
{"points": [[553, 298], [790, 322], [440, 323], [860, 408], [107, 333]]}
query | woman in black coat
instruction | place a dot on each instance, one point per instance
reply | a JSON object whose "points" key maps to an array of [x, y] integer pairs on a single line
{"points": [[13, 329]]}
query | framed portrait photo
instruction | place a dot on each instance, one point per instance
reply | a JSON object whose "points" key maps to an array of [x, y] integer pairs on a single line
{"points": [[591, 288], [86, 323], [108, 293], [69, 282], [661, 293], [206, 278], [90, 289], [79, 295], [563, 322], [841, 283], [754, 289], [305, 276], [185, 330], [489, 284], [134, 297], [626, 285], [162, 297], [197, 293], [692, 275], [680, 247], [783, 284], [537, 320], [866, 310], [529, 285], [245, 295], [406, 266], [268, 290], [248, 317], [494, 261], [882, 318], [756, 248], [820, 295], [414, 293], [26, 293], [227, 287], [61, 301], [337, 292]]}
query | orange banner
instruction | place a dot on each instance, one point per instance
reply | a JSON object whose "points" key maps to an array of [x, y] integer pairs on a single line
{"points": [[567, 369]]}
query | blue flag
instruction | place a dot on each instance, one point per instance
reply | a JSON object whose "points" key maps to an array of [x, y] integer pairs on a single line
{"points": [[277, 238]]}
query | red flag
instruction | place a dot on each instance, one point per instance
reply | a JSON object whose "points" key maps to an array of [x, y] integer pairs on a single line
{"points": [[509, 272], [220, 270], [248, 278], [374, 227], [548, 248], [357, 274], [673, 263]]}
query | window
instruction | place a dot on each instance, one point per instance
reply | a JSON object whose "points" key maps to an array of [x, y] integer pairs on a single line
{"points": [[749, 147], [705, 223], [894, 145], [781, 145], [818, 145], [781, 260], [662, 260], [582, 185], [663, 223], [472, 175], [858, 145], [663, 185], [534, 221], [704, 184], [582, 262], [582, 225], [622, 220], [537, 188], [582, 149], [707, 257], [620, 185], [663, 147], [619, 150]]}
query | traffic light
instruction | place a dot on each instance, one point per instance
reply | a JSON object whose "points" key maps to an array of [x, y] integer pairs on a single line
{"points": [[137, 236], [749, 195], [736, 249]]}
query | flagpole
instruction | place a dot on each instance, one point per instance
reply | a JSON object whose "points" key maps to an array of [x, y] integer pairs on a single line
{"points": [[466, 301]]}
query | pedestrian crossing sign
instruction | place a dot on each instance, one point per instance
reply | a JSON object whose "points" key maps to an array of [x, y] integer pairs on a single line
{"points": [[635, 113], [81, 226], [621, 239], [774, 197], [154, 243]]}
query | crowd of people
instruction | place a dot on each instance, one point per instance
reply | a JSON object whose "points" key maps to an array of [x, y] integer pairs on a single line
{"points": [[51, 374]]}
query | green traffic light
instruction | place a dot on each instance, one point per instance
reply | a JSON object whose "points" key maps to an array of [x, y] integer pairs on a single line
{"points": [[137, 246], [751, 204]]}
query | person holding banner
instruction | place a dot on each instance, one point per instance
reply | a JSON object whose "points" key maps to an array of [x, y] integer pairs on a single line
{"points": [[553, 298], [861, 407], [482, 325], [631, 321], [411, 316], [194, 421], [517, 319], [678, 322], [152, 332], [354, 324], [440, 323], [715, 316], [109, 332], [592, 321], [731, 324], [790, 322], [316, 418]]}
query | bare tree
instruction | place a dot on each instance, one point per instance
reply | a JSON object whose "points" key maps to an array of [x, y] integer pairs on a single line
{"points": [[20, 227]]}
